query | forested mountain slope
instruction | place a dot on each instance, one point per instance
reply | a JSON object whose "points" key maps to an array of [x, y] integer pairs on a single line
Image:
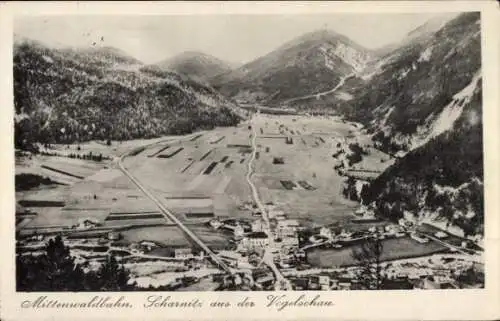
{"points": [[417, 91], [64, 95], [423, 103]]}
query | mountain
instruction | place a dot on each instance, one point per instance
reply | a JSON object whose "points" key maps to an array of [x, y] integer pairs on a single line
{"points": [[442, 181], [196, 65], [104, 54], [423, 103], [67, 95], [419, 90], [421, 32], [312, 63]]}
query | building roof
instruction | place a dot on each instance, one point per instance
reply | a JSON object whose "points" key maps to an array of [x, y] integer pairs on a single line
{"points": [[257, 235]]}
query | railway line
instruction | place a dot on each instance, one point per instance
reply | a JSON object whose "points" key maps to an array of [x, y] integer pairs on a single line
{"points": [[171, 217]]}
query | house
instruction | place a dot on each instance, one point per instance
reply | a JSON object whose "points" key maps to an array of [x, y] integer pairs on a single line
{"points": [[400, 154], [409, 216], [290, 242], [361, 210], [395, 230], [326, 232], [345, 234], [86, 224], [265, 280], [324, 282], [255, 240], [287, 228], [114, 236], [235, 259], [215, 223], [436, 282], [238, 231], [273, 213], [183, 253], [405, 223], [441, 235], [257, 225], [300, 254], [280, 217], [147, 245], [419, 238], [344, 286], [237, 279]]}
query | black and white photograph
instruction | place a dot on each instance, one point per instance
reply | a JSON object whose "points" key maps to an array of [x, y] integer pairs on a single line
{"points": [[264, 152]]}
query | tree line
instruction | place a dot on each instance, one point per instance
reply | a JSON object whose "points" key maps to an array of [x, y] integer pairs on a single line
{"points": [[56, 270]]}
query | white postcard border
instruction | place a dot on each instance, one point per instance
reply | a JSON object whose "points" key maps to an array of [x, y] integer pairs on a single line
{"points": [[350, 305]]}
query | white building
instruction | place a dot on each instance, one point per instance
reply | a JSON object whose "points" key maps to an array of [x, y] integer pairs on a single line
{"points": [[238, 231], [257, 226], [291, 241], [345, 234], [324, 282], [183, 253], [287, 228], [215, 223], [86, 224], [113, 236], [273, 213], [419, 238], [326, 232], [441, 235], [235, 259], [255, 240], [409, 216]]}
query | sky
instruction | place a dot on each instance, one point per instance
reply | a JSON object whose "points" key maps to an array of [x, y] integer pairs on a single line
{"points": [[234, 38]]}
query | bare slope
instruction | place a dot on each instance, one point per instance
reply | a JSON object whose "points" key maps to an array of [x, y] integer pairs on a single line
{"points": [[311, 63]]}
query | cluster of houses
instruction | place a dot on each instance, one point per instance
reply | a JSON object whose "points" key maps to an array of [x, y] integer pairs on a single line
{"points": [[327, 234], [435, 272], [86, 224], [254, 238]]}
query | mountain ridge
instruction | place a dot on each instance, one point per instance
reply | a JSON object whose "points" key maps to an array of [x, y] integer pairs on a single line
{"points": [[309, 63], [195, 64]]}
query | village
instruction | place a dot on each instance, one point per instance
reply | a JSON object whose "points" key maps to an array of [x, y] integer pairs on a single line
{"points": [[188, 269]]}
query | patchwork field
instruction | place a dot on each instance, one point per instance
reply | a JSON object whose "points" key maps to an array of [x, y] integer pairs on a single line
{"points": [[201, 176], [303, 182]]}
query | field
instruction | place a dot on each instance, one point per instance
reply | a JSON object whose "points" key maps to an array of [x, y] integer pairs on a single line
{"points": [[393, 249], [208, 168], [173, 237], [201, 176], [305, 186]]}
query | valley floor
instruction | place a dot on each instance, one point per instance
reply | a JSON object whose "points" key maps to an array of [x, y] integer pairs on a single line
{"points": [[201, 179]]}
